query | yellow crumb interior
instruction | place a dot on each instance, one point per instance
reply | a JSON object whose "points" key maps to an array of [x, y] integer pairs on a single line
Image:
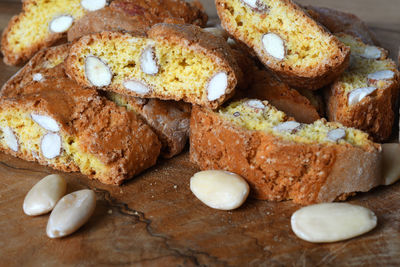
{"points": [[243, 115], [356, 75], [55, 60], [182, 72], [307, 45], [29, 135], [33, 25]]}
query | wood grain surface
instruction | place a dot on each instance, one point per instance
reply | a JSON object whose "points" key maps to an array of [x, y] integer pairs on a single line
{"points": [[154, 220]]}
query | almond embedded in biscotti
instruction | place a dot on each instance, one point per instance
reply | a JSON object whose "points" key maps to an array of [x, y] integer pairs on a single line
{"points": [[381, 75], [37, 77], [137, 87], [46, 122], [336, 135], [217, 86], [357, 95], [256, 5], [274, 45], [288, 126], [255, 103], [148, 61], [10, 139], [332, 222], [61, 23], [372, 52], [51, 145], [97, 72], [93, 5]]}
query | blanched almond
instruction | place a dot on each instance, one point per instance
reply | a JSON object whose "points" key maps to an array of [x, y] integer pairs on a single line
{"points": [[219, 189], [10, 138], [97, 72], [274, 45], [70, 213], [336, 135], [357, 95], [137, 87], [148, 61], [61, 23], [255, 103], [51, 145], [217, 86], [46, 122], [381, 75], [93, 5], [372, 52], [288, 126], [44, 195], [332, 222]]}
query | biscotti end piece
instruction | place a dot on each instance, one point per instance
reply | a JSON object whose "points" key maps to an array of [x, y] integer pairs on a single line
{"points": [[364, 96], [300, 51], [41, 24], [45, 64], [175, 62], [59, 124], [138, 16], [281, 158], [169, 120]]}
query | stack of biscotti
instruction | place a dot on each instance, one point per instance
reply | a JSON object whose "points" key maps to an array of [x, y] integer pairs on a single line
{"points": [[272, 50]]}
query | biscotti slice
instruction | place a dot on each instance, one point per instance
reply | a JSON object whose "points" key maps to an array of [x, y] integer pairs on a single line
{"points": [[41, 24], [364, 96], [281, 158], [174, 62], [41, 66], [59, 124], [266, 87], [169, 120], [300, 51], [137, 16], [341, 22]]}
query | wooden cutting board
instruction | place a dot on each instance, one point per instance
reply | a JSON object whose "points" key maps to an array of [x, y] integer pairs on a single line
{"points": [[155, 220]]}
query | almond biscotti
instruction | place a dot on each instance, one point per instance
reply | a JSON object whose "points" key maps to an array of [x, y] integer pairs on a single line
{"points": [[173, 62], [43, 65], [364, 96], [137, 16], [300, 51], [41, 24], [169, 120], [281, 158], [59, 124]]}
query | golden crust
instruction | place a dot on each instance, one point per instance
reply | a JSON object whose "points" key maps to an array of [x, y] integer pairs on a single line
{"points": [[337, 21], [281, 170], [266, 87], [297, 77], [116, 137], [189, 36], [42, 63], [168, 119], [138, 16]]}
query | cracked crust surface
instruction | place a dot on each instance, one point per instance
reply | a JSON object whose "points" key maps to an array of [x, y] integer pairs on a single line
{"points": [[117, 138], [188, 37], [282, 170], [169, 120], [138, 16], [311, 78]]}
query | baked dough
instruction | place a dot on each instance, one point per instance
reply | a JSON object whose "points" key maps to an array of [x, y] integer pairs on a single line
{"points": [[59, 124], [286, 40], [282, 159], [174, 62], [365, 95]]}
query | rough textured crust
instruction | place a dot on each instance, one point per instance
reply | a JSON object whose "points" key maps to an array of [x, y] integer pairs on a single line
{"points": [[118, 138], [374, 114], [188, 36], [266, 87], [169, 120], [138, 16], [42, 62], [311, 79], [337, 21], [281, 170]]}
